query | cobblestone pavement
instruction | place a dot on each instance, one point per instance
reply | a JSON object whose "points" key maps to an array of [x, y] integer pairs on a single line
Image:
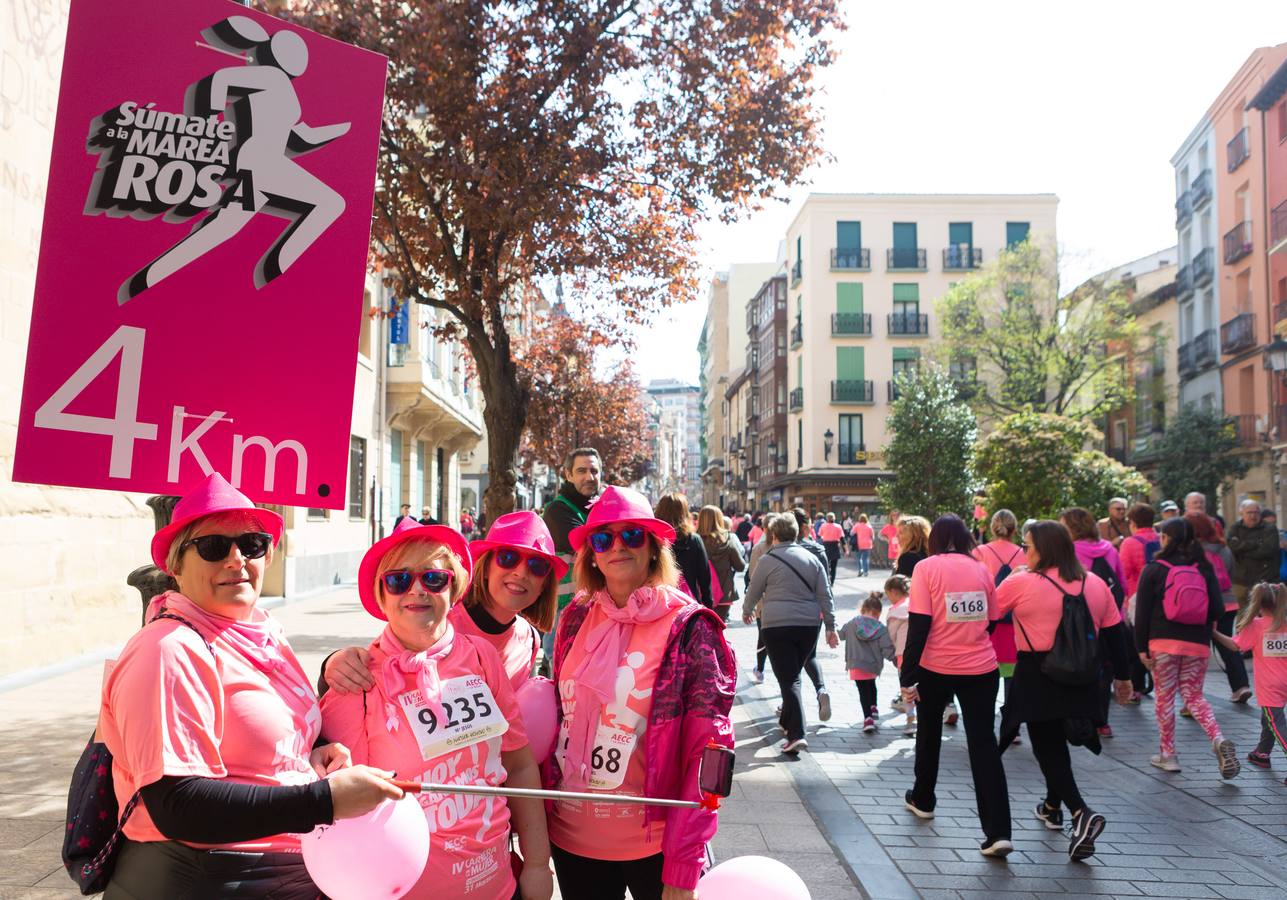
{"points": [[1169, 835]]}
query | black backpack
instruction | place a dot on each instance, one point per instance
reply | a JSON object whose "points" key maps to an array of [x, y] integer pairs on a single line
{"points": [[1073, 659], [1004, 572], [1101, 568]]}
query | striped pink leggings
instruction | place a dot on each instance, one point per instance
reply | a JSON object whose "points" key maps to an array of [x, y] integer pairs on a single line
{"points": [[1185, 674]]}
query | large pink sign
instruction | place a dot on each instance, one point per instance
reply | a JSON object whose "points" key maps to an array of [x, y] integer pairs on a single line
{"points": [[200, 286]]}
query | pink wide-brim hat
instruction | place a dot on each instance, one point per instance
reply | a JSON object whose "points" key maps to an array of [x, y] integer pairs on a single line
{"points": [[523, 530], [408, 530], [621, 504], [212, 496]]}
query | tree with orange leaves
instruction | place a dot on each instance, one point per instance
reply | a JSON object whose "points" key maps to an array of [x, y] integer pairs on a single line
{"points": [[585, 138]]}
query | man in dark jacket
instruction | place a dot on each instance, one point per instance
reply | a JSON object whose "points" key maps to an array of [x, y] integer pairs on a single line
{"points": [[582, 484], [1254, 545]]}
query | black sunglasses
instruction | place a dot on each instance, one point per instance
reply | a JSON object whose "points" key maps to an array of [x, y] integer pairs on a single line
{"points": [[215, 547], [537, 565], [399, 581]]}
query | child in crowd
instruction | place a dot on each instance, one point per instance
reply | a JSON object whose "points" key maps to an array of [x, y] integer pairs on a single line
{"points": [[1262, 629], [867, 646], [898, 588]]}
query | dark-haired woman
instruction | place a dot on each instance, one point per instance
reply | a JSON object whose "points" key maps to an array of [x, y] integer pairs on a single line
{"points": [[1176, 651], [689, 551], [1035, 599], [949, 653]]}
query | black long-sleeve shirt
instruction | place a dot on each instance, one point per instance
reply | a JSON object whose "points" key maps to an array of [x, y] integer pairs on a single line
{"points": [[690, 554], [219, 811]]}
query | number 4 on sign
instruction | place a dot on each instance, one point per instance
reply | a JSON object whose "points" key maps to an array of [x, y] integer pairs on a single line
{"points": [[122, 428]]}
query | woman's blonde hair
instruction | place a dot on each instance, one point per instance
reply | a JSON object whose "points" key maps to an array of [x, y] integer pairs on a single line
{"points": [[673, 510], [1004, 524], [1268, 599], [244, 518], [416, 553], [540, 612], [913, 534], [661, 568], [710, 523]]}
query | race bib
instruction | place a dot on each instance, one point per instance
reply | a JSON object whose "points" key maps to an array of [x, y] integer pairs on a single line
{"points": [[466, 713], [613, 748], [1274, 645], [966, 606]]}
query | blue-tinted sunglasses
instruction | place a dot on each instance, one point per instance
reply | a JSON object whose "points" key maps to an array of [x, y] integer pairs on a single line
{"points": [[632, 537], [399, 581], [537, 565]]}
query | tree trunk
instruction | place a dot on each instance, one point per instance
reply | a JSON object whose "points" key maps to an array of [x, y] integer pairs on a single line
{"points": [[504, 415]]}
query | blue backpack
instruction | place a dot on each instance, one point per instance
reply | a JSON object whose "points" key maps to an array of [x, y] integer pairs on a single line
{"points": [[1151, 548]]}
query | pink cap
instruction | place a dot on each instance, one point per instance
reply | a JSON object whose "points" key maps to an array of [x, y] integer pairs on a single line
{"points": [[621, 504], [407, 530], [523, 530], [214, 495]]}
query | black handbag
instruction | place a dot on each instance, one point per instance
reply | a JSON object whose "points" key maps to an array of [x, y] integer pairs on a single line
{"points": [[94, 830]]}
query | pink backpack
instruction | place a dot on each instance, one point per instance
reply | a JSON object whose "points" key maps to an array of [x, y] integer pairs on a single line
{"points": [[717, 590], [1221, 574], [1185, 600]]}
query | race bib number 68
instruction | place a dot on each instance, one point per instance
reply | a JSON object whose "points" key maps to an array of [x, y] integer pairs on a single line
{"points": [[966, 606]]}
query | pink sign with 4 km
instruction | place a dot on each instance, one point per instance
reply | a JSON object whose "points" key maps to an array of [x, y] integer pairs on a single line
{"points": [[200, 286]]}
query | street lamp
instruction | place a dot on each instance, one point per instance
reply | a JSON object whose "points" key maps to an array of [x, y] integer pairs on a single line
{"points": [[828, 440], [1276, 356]]}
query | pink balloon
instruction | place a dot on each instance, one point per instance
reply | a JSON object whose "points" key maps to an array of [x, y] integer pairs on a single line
{"points": [[379, 855], [538, 701], [752, 876]]}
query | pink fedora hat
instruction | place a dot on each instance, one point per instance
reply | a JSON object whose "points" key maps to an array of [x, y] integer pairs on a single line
{"points": [[621, 504], [523, 530], [214, 495], [407, 530]]}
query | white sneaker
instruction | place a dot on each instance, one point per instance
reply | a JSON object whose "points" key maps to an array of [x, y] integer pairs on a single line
{"points": [[898, 705], [795, 746], [1241, 695], [950, 715], [910, 727], [756, 676], [1166, 763], [824, 705]]}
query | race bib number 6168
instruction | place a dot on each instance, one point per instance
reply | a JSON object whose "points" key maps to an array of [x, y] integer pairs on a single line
{"points": [[966, 606]]}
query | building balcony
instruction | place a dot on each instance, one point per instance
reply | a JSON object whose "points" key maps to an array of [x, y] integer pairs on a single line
{"points": [[1198, 353], [908, 324], [1204, 267], [1238, 333], [797, 270], [796, 399], [797, 334], [1183, 209], [1200, 191], [851, 259], [852, 392], [1237, 243], [1280, 311], [1184, 282], [907, 259], [851, 454], [891, 390], [1247, 430], [851, 323], [1278, 228], [1238, 149], [962, 258]]}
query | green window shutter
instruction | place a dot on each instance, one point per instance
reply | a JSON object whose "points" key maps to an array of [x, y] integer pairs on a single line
{"points": [[904, 235], [910, 354], [959, 233], [848, 235], [799, 371], [850, 364], [849, 297], [906, 293], [1015, 233]]}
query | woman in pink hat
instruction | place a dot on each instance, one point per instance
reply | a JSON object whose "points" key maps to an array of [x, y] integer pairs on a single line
{"points": [[212, 723], [442, 710], [645, 682]]}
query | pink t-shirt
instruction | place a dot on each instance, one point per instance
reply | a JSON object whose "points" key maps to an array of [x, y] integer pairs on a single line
{"points": [[167, 710], [516, 646], [890, 534], [830, 531], [863, 532], [613, 831], [468, 836], [1269, 660], [1038, 605], [996, 554], [957, 592]]}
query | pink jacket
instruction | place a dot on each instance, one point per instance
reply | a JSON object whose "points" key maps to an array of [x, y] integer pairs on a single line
{"points": [[691, 700], [1132, 553], [1087, 551]]}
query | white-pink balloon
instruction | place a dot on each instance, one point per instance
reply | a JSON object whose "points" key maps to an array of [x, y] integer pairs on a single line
{"points": [[379, 855], [744, 877], [538, 701]]}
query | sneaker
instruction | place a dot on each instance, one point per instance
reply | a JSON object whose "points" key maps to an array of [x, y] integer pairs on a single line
{"points": [[1166, 763], [1241, 695], [757, 676], [999, 848], [1086, 826], [950, 715], [897, 705], [794, 746], [1105, 731], [910, 727], [916, 810], [1256, 758], [1184, 711], [1051, 818], [1228, 756], [868, 725], [824, 705]]}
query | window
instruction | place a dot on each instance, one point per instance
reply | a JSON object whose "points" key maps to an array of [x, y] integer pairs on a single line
{"points": [[799, 443], [849, 442], [318, 515], [849, 298], [1015, 233], [906, 360], [960, 234], [394, 492], [357, 477], [904, 235], [848, 235], [418, 487], [799, 371], [907, 299], [850, 364]]}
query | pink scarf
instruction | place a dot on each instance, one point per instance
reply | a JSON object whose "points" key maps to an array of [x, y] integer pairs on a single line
{"points": [[259, 640], [400, 662], [596, 676]]}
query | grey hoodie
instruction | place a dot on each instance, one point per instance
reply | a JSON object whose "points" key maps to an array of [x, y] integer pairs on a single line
{"points": [[867, 644]]}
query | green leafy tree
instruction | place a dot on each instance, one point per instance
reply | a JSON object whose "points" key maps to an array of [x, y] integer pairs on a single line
{"points": [[1198, 452], [1034, 349], [932, 447], [1037, 464]]}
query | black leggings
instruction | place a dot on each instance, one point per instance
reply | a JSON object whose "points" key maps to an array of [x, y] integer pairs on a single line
{"points": [[583, 878], [811, 667], [867, 696], [1234, 668], [790, 648], [977, 695], [147, 869], [1050, 747]]}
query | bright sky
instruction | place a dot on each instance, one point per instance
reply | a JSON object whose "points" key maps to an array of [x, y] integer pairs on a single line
{"points": [[1087, 100]]}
